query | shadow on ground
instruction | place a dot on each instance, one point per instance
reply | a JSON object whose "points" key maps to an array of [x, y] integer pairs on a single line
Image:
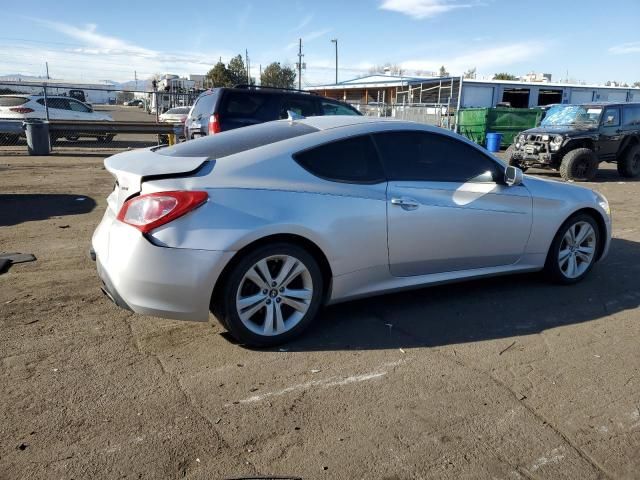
{"points": [[19, 208], [604, 175], [478, 310]]}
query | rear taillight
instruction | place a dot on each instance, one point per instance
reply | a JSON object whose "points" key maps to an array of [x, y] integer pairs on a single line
{"points": [[150, 211], [21, 109], [214, 124]]}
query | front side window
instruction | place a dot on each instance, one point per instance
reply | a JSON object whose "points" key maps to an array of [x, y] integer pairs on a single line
{"points": [[78, 107], [611, 117], [353, 160], [330, 108], [431, 157]]}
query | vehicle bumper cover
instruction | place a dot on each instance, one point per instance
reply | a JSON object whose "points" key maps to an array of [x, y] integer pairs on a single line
{"points": [[151, 280]]}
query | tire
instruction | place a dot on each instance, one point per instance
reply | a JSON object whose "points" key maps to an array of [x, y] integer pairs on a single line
{"points": [[562, 255], [579, 165], [511, 161], [256, 322], [629, 164]]}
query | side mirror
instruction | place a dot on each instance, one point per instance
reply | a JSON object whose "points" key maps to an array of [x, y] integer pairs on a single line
{"points": [[512, 176]]}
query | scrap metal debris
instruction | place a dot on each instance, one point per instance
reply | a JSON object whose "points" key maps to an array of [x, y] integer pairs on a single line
{"points": [[8, 259]]}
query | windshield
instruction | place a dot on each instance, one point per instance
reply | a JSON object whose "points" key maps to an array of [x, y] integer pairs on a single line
{"points": [[572, 115]]}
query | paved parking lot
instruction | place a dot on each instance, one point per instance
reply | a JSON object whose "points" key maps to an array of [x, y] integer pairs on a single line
{"points": [[503, 378]]}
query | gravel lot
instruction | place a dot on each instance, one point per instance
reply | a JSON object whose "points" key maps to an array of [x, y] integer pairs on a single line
{"points": [[502, 378]]}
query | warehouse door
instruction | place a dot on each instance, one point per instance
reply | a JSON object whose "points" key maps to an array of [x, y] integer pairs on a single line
{"points": [[517, 97]]}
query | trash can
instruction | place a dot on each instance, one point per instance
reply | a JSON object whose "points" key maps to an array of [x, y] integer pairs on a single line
{"points": [[493, 141], [37, 132]]}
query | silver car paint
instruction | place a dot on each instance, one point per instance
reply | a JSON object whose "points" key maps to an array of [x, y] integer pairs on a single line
{"points": [[481, 229]]}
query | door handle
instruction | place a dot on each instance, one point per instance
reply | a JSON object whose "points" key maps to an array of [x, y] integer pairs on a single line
{"points": [[405, 203]]}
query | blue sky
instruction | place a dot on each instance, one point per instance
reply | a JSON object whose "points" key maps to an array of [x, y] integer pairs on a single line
{"points": [[593, 40]]}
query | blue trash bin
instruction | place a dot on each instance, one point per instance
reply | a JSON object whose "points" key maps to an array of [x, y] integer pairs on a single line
{"points": [[493, 141]]}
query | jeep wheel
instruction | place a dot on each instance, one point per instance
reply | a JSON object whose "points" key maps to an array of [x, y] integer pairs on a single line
{"points": [[580, 165], [629, 164], [511, 161]]}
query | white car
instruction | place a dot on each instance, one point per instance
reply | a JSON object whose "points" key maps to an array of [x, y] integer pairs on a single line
{"points": [[175, 115], [24, 107]]}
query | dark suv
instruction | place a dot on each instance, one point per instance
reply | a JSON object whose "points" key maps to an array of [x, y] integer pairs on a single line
{"points": [[574, 139], [221, 109]]}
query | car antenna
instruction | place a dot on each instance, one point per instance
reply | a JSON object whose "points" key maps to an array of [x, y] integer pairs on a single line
{"points": [[293, 116]]}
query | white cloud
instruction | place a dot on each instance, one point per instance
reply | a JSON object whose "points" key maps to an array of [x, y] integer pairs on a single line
{"points": [[420, 9], [303, 23], [486, 59], [625, 48], [309, 37]]}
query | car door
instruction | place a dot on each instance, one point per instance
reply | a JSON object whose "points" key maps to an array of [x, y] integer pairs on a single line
{"points": [[58, 108], [447, 206], [610, 133]]}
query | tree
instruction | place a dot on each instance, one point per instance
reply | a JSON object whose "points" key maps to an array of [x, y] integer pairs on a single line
{"points": [[504, 76], [636, 84], [443, 72], [219, 76], [275, 75], [471, 73], [237, 70]]}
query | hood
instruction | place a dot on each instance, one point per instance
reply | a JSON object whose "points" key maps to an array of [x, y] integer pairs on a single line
{"points": [[561, 130]]}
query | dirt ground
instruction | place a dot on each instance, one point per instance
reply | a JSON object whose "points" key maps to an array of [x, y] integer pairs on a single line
{"points": [[504, 378]]}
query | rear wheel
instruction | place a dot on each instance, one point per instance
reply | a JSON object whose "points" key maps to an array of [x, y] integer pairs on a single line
{"points": [[573, 250], [580, 165], [512, 161], [629, 164], [271, 295]]}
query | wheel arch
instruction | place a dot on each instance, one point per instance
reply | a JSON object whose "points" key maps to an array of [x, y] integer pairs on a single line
{"points": [[581, 142], [600, 221], [310, 246]]}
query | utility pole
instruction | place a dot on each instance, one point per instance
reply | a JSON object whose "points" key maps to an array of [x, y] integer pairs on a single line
{"points": [[46, 64], [260, 67], [246, 61], [300, 55], [135, 76], [335, 40]]}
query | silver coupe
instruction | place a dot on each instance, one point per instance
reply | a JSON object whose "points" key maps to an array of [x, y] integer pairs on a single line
{"points": [[264, 225]]}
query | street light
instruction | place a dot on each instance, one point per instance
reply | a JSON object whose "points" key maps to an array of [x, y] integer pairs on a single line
{"points": [[335, 40]]}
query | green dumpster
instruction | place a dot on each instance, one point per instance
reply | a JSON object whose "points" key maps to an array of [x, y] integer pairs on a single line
{"points": [[475, 123]]}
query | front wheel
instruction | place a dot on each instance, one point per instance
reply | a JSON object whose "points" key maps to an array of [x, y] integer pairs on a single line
{"points": [[271, 295], [580, 165], [573, 250]]}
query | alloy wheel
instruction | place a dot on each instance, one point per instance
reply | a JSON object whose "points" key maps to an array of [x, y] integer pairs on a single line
{"points": [[274, 295], [577, 249]]}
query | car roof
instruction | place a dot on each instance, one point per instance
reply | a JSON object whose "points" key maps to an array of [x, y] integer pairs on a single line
{"points": [[326, 122]]}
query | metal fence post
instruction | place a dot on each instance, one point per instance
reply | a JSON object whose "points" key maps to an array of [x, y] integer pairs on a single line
{"points": [[46, 101]]}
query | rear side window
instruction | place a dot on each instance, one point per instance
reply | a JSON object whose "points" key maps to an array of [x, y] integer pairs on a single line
{"points": [[302, 106], [353, 160], [12, 101], [204, 105], [631, 116], [431, 157], [78, 107], [330, 108], [238, 140], [55, 102], [246, 104]]}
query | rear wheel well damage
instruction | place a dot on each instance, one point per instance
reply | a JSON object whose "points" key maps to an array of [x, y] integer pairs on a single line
{"points": [[303, 242]]}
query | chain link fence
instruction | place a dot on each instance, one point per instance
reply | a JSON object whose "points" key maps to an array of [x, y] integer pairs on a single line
{"points": [[440, 115], [81, 117]]}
